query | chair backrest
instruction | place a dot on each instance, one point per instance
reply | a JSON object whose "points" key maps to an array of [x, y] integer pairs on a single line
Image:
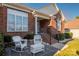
{"points": [[37, 39], [16, 38]]}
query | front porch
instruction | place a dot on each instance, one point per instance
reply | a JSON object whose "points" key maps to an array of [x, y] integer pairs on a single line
{"points": [[49, 51]]}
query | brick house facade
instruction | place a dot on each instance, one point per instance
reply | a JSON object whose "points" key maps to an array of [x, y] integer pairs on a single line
{"points": [[44, 22]]}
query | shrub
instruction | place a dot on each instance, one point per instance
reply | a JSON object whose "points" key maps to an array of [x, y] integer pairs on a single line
{"points": [[7, 38], [1, 37], [1, 44], [68, 35], [1, 49], [60, 36], [29, 36]]}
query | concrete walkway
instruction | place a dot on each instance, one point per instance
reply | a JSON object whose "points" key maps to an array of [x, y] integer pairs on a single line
{"points": [[58, 45], [65, 41]]}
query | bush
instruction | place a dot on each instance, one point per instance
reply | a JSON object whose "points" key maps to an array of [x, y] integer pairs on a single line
{"points": [[1, 37], [29, 36], [68, 35], [1, 44], [8, 41], [60, 36], [7, 38], [1, 50]]}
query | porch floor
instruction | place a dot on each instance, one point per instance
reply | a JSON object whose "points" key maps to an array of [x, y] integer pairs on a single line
{"points": [[49, 51]]}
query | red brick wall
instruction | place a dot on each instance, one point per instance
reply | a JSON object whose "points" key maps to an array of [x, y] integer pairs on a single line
{"points": [[45, 35], [1, 19], [53, 25], [44, 25], [3, 23]]}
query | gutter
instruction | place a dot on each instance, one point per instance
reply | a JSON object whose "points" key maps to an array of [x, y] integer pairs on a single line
{"points": [[25, 9]]}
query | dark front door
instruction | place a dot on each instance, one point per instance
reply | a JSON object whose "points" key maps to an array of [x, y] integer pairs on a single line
{"points": [[38, 28]]}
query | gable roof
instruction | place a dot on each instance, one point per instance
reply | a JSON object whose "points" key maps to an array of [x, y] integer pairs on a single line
{"points": [[49, 9], [74, 24]]}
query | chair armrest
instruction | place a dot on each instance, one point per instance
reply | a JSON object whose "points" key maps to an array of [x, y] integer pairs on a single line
{"points": [[24, 40]]}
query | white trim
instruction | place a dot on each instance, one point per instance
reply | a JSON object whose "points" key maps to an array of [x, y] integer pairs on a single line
{"points": [[22, 23], [15, 24], [45, 17], [17, 12], [14, 7], [36, 30]]}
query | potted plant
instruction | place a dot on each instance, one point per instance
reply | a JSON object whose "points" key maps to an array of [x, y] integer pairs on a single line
{"points": [[29, 36]]}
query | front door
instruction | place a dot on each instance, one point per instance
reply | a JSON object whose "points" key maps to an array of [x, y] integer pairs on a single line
{"points": [[38, 28]]}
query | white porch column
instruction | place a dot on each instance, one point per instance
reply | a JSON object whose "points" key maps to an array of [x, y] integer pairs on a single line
{"points": [[36, 30], [35, 16], [37, 37]]}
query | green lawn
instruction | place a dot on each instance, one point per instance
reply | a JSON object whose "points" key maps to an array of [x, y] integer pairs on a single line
{"points": [[71, 50]]}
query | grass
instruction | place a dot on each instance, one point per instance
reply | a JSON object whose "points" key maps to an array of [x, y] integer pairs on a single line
{"points": [[71, 50]]}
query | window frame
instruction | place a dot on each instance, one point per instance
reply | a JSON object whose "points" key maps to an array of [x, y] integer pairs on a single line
{"points": [[17, 14]]}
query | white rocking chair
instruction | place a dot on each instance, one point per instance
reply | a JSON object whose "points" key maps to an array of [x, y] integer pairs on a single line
{"points": [[19, 42], [38, 46]]}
